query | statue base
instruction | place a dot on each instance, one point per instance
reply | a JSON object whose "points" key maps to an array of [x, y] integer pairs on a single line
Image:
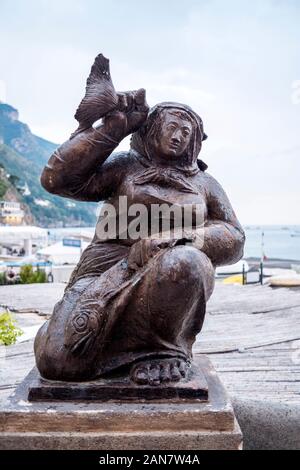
{"points": [[116, 387], [202, 419]]}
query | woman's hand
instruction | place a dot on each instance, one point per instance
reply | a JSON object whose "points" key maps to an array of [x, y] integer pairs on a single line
{"points": [[130, 114], [146, 248]]}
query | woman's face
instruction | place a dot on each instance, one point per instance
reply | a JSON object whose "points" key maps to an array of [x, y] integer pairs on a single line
{"points": [[174, 135]]}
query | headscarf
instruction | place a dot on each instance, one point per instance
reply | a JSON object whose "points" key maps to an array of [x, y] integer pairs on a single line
{"points": [[141, 139]]}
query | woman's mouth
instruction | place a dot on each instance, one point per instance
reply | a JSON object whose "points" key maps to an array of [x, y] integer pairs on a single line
{"points": [[174, 145]]}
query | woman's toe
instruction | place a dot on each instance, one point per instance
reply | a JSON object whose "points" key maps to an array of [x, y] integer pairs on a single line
{"points": [[182, 367], [175, 374], [165, 372], [140, 375], [154, 374]]}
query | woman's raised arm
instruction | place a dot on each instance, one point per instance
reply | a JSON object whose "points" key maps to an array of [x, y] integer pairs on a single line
{"points": [[76, 168]]}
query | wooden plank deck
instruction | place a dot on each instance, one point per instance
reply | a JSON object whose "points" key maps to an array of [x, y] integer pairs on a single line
{"points": [[251, 334]]}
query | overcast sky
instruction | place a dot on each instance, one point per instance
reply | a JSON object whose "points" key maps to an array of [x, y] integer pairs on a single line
{"points": [[235, 62]]}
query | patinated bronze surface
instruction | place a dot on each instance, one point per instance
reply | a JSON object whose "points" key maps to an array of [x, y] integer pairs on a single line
{"points": [[118, 386], [136, 303]]}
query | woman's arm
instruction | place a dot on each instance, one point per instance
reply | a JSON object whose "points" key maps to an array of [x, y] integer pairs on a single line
{"points": [[222, 238], [72, 170], [77, 169]]}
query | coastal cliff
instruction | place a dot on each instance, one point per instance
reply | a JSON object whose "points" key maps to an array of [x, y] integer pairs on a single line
{"points": [[22, 157]]}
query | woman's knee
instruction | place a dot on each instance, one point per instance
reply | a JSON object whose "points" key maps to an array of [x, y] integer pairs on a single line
{"points": [[185, 262], [51, 356], [47, 356], [55, 363]]}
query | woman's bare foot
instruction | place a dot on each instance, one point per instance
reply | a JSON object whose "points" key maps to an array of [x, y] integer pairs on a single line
{"points": [[157, 371]]}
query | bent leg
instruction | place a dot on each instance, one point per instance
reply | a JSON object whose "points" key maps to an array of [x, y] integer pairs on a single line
{"points": [[177, 292], [69, 346], [118, 318], [167, 313], [53, 359]]}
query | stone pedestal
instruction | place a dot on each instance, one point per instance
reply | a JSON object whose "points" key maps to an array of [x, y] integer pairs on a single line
{"points": [[193, 415]]}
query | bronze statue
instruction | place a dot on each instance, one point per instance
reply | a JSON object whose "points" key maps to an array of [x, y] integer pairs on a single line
{"points": [[136, 304]]}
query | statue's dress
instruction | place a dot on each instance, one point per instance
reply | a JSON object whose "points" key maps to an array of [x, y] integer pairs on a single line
{"points": [[115, 312]]}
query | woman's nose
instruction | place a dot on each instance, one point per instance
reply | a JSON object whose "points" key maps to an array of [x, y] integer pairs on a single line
{"points": [[177, 136]]}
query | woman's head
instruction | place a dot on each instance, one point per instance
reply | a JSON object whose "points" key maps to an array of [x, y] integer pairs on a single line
{"points": [[172, 132]]}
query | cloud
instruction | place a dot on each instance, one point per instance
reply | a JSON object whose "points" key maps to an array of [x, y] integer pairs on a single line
{"points": [[234, 62]]}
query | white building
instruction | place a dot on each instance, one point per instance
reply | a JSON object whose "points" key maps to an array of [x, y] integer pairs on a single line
{"points": [[11, 213]]}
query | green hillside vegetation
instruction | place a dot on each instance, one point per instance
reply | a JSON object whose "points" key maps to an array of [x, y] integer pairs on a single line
{"points": [[3, 183], [3, 188], [23, 156], [9, 191]]}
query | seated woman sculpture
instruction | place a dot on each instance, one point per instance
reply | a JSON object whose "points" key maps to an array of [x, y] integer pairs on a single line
{"points": [[137, 303]]}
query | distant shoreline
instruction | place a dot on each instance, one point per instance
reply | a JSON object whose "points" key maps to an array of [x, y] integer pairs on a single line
{"points": [[282, 250], [273, 262]]}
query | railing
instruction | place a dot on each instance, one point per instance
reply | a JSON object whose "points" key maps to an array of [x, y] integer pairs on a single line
{"points": [[253, 277]]}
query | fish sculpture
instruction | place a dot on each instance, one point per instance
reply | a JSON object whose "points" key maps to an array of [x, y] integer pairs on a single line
{"points": [[100, 95]]}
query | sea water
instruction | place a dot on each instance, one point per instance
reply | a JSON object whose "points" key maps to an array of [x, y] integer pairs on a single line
{"points": [[280, 242]]}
